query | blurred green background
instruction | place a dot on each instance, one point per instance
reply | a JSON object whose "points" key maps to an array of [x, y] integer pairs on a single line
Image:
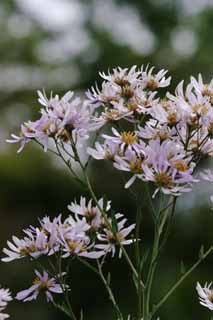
{"points": [[60, 45]]}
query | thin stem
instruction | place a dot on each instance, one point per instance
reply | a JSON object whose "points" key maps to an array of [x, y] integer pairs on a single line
{"points": [[111, 295], [159, 227], [179, 282], [153, 210], [138, 259]]}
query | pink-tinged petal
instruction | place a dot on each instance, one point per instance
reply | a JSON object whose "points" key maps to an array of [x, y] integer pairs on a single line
{"points": [[92, 255], [25, 295], [49, 296]]}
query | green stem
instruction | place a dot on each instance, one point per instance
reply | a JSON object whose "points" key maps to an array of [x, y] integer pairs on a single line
{"points": [[159, 227], [111, 295], [179, 282], [138, 259]]}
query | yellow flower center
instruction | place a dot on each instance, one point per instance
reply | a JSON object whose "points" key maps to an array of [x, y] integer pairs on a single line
{"points": [[73, 244], [172, 118], [152, 84], [43, 285], [163, 179], [180, 165], [132, 106], [210, 297], [127, 92], [121, 81], [129, 137], [135, 166], [112, 115]]}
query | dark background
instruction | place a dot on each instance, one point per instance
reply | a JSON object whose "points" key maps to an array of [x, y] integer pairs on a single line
{"points": [[61, 45]]}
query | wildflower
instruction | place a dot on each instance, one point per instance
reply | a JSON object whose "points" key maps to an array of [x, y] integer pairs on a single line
{"points": [[76, 242], [131, 162], [154, 81], [205, 295], [29, 246], [126, 140], [115, 236], [42, 283], [91, 213], [5, 297], [106, 151]]}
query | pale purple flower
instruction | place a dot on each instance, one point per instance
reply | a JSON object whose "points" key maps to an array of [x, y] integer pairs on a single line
{"points": [[153, 81], [166, 167], [5, 298], [131, 162], [111, 239], [106, 151], [205, 295], [42, 283], [126, 140], [121, 76], [91, 213], [76, 242]]}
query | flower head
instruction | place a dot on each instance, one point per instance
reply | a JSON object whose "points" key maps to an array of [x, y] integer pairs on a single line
{"points": [[42, 283], [205, 295], [5, 297]]}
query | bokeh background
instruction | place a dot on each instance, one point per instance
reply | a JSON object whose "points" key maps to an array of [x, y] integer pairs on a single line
{"points": [[61, 45]]}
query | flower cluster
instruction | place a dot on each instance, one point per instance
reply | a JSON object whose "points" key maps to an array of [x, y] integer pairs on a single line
{"points": [[65, 119], [168, 135], [85, 233], [159, 139], [5, 297]]}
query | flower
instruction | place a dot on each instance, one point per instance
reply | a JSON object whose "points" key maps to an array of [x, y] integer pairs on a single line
{"points": [[42, 283], [154, 81], [115, 236], [5, 297], [205, 295], [91, 213], [66, 118]]}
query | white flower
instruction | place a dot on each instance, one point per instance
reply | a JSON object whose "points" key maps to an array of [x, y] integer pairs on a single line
{"points": [[205, 295]]}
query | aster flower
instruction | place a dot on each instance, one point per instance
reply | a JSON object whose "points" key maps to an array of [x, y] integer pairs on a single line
{"points": [[106, 151], [91, 213], [76, 242], [122, 77], [5, 297], [154, 81], [131, 162], [206, 89], [42, 283], [126, 140], [29, 246], [110, 239], [205, 295], [60, 119], [166, 167]]}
